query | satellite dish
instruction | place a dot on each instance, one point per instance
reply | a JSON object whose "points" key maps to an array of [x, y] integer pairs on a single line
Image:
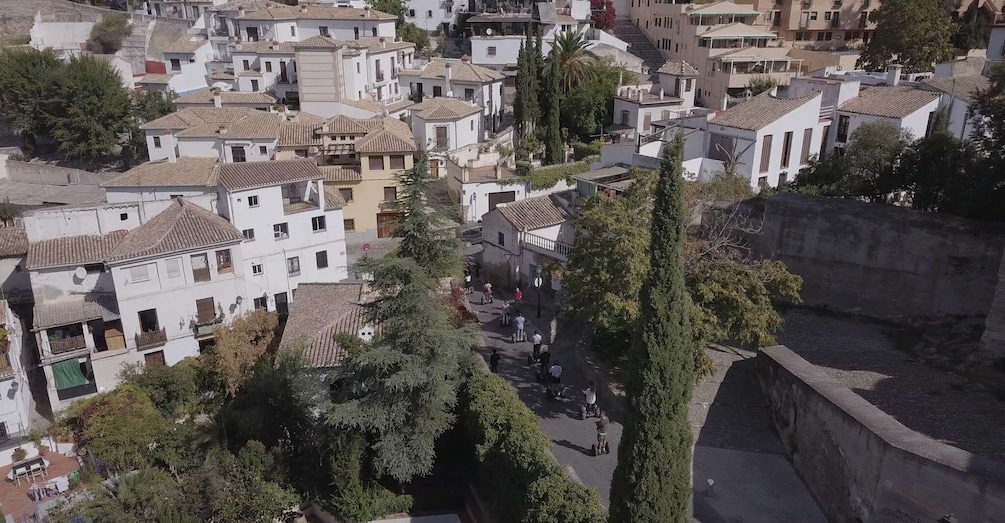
{"points": [[80, 273], [222, 86], [488, 31]]}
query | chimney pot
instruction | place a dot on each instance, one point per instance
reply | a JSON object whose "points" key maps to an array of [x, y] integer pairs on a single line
{"points": [[893, 74], [223, 130], [498, 172], [661, 93]]}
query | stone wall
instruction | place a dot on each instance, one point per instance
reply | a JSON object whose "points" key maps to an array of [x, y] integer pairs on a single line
{"points": [[862, 465], [881, 260], [993, 340]]}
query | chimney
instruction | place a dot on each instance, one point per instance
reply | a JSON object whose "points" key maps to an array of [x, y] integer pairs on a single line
{"points": [[383, 43], [303, 8], [240, 13], [465, 175], [725, 102], [773, 92], [640, 94], [169, 145], [449, 76], [465, 59], [222, 131], [498, 171], [661, 93], [621, 76], [217, 99], [893, 74]]}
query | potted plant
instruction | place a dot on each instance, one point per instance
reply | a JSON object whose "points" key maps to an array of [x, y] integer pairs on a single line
{"points": [[19, 454], [36, 439]]}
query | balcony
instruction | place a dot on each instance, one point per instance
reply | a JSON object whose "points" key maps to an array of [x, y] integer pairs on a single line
{"points": [[391, 99], [208, 328], [76, 392], [299, 206], [288, 78], [67, 344], [379, 76], [554, 248], [150, 339]]}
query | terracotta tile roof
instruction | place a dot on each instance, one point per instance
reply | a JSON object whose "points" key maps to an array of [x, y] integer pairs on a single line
{"points": [[245, 175], [392, 135], [444, 109], [316, 12], [679, 68], [333, 200], [963, 87], [299, 134], [378, 108], [459, 71], [205, 96], [255, 126], [321, 311], [71, 251], [157, 79], [341, 124], [186, 171], [75, 308], [889, 101], [187, 118], [341, 173], [373, 44], [535, 213], [187, 44], [183, 226], [247, 5], [264, 47], [13, 241], [760, 111]]}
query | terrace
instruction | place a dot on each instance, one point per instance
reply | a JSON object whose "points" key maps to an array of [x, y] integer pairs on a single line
{"points": [[16, 499]]}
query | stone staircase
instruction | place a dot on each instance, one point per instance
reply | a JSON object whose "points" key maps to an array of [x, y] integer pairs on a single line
{"points": [[640, 44]]}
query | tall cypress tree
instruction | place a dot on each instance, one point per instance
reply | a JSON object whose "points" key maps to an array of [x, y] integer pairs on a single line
{"points": [[425, 234], [522, 85], [533, 59], [652, 482], [553, 149]]}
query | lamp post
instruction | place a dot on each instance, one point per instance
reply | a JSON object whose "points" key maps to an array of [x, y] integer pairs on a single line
{"points": [[537, 285]]}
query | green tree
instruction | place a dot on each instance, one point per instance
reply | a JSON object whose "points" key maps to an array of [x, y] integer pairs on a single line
{"points": [[554, 150], [173, 390], [914, 33], [404, 384], [574, 59], [987, 116], [410, 32], [108, 34], [939, 173], [239, 347], [973, 30], [145, 106], [760, 84], [652, 481], [590, 105], [148, 494], [24, 74], [243, 487], [427, 236], [391, 7], [87, 108]]}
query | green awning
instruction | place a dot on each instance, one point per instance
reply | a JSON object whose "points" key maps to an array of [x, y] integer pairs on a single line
{"points": [[68, 374]]}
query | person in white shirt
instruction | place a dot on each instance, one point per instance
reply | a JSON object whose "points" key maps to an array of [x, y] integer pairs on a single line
{"points": [[536, 339], [556, 372], [518, 322]]}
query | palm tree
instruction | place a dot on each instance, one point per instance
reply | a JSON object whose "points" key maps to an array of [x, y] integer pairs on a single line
{"points": [[570, 49]]}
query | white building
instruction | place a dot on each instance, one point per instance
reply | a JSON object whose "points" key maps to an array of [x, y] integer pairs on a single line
{"points": [[436, 16], [185, 60], [15, 404], [996, 43], [225, 135], [906, 108], [672, 96], [445, 125], [457, 79], [222, 29], [299, 23], [956, 92]]}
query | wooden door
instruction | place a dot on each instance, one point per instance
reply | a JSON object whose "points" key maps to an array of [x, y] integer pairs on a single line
{"points": [[495, 198], [387, 224], [154, 358]]}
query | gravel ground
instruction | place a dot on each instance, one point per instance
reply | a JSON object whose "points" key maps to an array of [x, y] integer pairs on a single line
{"points": [[864, 356]]}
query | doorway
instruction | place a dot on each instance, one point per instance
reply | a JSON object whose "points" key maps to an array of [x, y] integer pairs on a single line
{"points": [[495, 198], [152, 359], [387, 224]]}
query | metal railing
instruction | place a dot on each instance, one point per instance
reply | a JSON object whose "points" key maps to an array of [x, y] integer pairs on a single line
{"points": [[555, 246], [826, 111], [76, 392], [379, 75], [67, 344], [152, 338]]}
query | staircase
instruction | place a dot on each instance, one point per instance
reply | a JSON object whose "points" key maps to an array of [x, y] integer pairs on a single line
{"points": [[640, 44]]}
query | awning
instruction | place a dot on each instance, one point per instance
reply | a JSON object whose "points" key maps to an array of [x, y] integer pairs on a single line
{"points": [[68, 375], [75, 309]]}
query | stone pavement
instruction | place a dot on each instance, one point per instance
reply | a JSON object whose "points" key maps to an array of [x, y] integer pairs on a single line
{"points": [[736, 444]]}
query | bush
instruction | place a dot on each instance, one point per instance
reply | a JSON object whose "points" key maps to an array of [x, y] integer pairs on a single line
{"points": [[582, 150], [547, 177], [174, 390], [513, 470], [19, 454], [107, 35]]}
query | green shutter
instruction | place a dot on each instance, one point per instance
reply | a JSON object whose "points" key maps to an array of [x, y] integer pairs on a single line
{"points": [[68, 374]]}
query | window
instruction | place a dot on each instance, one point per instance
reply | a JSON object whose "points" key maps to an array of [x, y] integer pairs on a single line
{"points": [[175, 65], [390, 194], [346, 194], [237, 154], [322, 258], [376, 163], [268, 67], [472, 125], [397, 161], [813, 15], [249, 234], [469, 94], [282, 305], [256, 269], [318, 223], [851, 35], [293, 30], [373, 30], [437, 91], [720, 147], [261, 303], [323, 30], [281, 231], [252, 201], [827, 15], [429, 14], [200, 267], [349, 225], [492, 51], [4, 435], [223, 261], [822, 36], [293, 266], [411, 13], [254, 85], [123, 216], [263, 150], [782, 178], [173, 267], [157, 142], [205, 310], [139, 273], [762, 182], [502, 240], [148, 320], [765, 153], [843, 123], [804, 155], [246, 65], [786, 149], [175, 196]]}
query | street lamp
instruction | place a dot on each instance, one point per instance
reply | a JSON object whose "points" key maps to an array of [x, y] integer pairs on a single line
{"points": [[537, 285]]}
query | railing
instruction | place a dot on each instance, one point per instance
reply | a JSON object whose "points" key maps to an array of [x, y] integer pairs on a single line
{"points": [[67, 344], [201, 275], [149, 339], [555, 246], [76, 392], [295, 207], [209, 327], [391, 99], [379, 76], [288, 78], [826, 111]]}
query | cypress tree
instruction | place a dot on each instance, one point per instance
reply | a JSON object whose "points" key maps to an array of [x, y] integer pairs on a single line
{"points": [[424, 227], [519, 110], [537, 67], [553, 150], [652, 482]]}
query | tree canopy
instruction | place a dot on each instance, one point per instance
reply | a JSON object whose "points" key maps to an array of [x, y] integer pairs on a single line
{"points": [[425, 226], [108, 34], [914, 33]]}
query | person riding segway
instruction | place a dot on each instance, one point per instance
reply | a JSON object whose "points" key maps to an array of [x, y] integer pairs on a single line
{"points": [[589, 407], [487, 293], [601, 447], [555, 389], [542, 369]]}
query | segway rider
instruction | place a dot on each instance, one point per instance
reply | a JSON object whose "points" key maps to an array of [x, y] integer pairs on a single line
{"points": [[590, 395], [505, 313], [519, 322], [536, 340], [488, 292], [468, 288], [602, 433], [518, 295], [545, 357], [555, 375]]}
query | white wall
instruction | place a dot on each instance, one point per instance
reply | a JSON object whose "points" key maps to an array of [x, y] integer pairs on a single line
{"points": [[429, 14], [996, 44], [337, 29], [507, 48], [59, 222], [61, 36], [193, 73]]}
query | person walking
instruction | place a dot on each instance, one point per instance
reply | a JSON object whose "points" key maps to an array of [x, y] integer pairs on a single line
{"points": [[536, 339], [518, 295], [487, 296], [519, 322], [468, 288], [494, 361], [505, 313]]}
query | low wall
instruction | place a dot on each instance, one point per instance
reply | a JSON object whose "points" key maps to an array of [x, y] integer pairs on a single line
{"points": [[862, 465]]}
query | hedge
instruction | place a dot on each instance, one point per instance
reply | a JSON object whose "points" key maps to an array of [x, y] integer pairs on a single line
{"points": [[548, 176], [582, 150], [518, 479]]}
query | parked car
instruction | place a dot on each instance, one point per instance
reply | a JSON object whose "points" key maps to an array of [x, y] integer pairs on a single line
{"points": [[470, 234]]}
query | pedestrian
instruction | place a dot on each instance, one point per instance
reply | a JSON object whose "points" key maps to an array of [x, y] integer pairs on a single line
{"points": [[468, 288], [505, 313], [494, 361], [518, 322], [536, 340], [487, 296], [545, 358], [518, 295]]}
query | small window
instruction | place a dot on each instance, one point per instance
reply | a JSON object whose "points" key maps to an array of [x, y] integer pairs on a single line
{"points": [[437, 91], [411, 13], [502, 240], [200, 268], [390, 194], [318, 223], [246, 65], [397, 161], [268, 67], [254, 85], [175, 65], [175, 196], [762, 182], [469, 94], [492, 51], [261, 303], [157, 142], [94, 268], [281, 231], [322, 258], [349, 225], [256, 269], [472, 125], [293, 266], [813, 15], [373, 30], [173, 267], [223, 261], [263, 150], [249, 234], [205, 310], [376, 163], [293, 30], [323, 30], [123, 216], [237, 154], [346, 194], [252, 201], [139, 273]]}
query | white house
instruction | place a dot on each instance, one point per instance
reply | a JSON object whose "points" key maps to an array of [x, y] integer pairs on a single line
{"points": [[436, 16], [672, 96], [457, 79], [447, 124], [185, 60], [956, 94], [996, 44], [906, 108], [299, 23], [15, 403], [222, 29], [64, 33]]}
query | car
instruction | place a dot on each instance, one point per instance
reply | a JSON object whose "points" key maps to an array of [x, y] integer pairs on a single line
{"points": [[471, 234]]}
